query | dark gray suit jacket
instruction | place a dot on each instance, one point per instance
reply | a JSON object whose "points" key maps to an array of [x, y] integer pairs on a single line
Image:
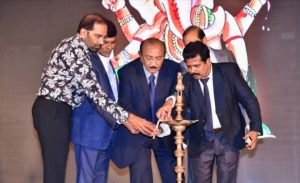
{"points": [[230, 89]]}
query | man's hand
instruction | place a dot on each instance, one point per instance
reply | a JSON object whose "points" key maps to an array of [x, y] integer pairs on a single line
{"points": [[136, 124], [164, 112], [251, 139], [131, 128], [162, 129]]}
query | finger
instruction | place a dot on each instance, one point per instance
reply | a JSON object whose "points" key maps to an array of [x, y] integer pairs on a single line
{"points": [[148, 131], [163, 113], [156, 132], [135, 131], [131, 128], [164, 116], [148, 128], [168, 113], [252, 145], [160, 114]]}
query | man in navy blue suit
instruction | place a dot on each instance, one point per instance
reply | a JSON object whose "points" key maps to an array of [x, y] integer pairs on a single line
{"points": [[91, 133], [213, 92], [144, 85]]}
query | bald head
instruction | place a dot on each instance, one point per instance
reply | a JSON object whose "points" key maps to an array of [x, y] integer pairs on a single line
{"points": [[192, 34]]}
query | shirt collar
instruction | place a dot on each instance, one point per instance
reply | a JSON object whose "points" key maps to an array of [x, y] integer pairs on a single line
{"points": [[147, 73], [104, 59], [210, 75]]}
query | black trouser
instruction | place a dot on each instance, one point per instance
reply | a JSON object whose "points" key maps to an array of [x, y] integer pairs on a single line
{"points": [[219, 151], [52, 121]]}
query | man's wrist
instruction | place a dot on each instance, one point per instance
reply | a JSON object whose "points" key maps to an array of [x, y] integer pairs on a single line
{"points": [[127, 119], [257, 133]]}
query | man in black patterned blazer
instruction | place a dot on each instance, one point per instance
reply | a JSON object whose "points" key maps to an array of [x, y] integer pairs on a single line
{"points": [[67, 78]]}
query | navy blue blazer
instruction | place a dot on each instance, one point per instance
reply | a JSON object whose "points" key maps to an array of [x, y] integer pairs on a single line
{"points": [[134, 97], [90, 128], [230, 89]]}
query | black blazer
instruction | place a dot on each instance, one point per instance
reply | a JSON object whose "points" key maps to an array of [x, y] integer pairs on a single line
{"points": [[134, 97], [230, 89]]}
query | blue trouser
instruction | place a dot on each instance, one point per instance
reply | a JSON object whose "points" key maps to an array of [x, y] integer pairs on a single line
{"points": [[141, 170], [92, 164]]}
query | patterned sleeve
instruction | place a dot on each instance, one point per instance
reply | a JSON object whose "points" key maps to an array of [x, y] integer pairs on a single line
{"points": [[87, 79]]}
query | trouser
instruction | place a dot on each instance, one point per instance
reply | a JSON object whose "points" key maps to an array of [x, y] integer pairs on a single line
{"points": [[92, 164], [219, 151], [52, 120], [141, 170]]}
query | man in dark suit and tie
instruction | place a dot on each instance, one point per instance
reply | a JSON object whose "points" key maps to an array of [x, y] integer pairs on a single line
{"points": [[213, 93], [144, 85], [91, 133]]}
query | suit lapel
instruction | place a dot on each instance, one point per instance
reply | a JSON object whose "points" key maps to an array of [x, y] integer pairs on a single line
{"points": [[219, 89], [162, 80], [143, 82], [116, 75], [102, 76], [199, 97]]}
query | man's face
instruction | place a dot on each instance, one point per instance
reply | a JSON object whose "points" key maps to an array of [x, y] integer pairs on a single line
{"points": [[198, 68], [152, 57], [94, 39], [108, 46]]}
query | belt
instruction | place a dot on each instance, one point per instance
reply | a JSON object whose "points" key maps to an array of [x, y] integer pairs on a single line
{"points": [[47, 97], [217, 130]]}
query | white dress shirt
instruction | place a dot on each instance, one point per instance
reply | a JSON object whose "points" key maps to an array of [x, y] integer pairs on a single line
{"points": [[111, 75], [148, 74], [210, 85]]}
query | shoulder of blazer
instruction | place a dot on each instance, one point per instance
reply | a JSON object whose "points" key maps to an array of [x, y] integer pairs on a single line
{"points": [[187, 79], [229, 68], [130, 67], [226, 71], [171, 62], [170, 67]]}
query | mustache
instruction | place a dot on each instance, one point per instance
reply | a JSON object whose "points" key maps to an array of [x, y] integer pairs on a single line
{"points": [[153, 67], [195, 74]]}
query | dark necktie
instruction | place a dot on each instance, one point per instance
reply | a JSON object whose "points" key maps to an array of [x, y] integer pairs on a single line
{"points": [[208, 122], [152, 95]]}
